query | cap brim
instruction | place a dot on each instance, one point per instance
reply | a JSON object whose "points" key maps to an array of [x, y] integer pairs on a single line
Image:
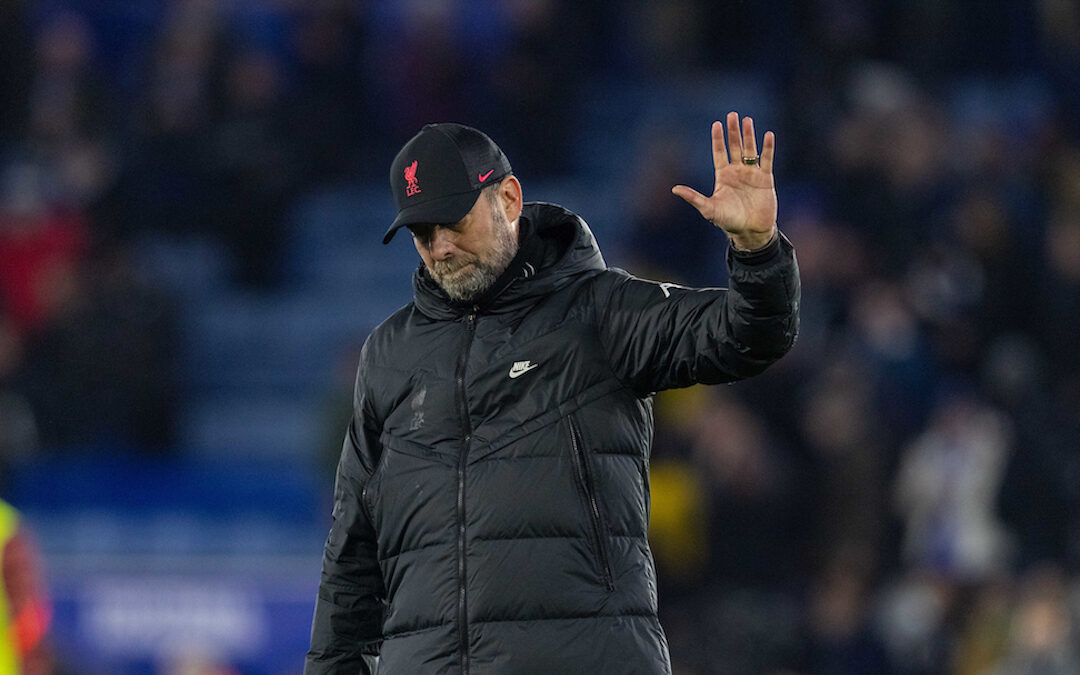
{"points": [[449, 209]]}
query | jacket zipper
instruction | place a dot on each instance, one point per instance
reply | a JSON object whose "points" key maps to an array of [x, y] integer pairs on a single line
{"points": [[585, 483], [466, 427]]}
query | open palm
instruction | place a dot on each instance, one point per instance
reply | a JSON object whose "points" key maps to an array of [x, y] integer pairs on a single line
{"points": [[743, 201]]}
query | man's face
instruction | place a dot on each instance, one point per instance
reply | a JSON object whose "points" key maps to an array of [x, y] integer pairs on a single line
{"points": [[466, 257]]}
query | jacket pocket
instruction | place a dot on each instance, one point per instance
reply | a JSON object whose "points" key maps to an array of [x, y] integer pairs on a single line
{"points": [[365, 502], [587, 489]]}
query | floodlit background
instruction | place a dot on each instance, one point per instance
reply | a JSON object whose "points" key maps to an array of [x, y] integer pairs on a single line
{"points": [[192, 196]]}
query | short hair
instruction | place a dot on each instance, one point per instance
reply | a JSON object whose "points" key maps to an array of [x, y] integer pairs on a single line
{"points": [[492, 193]]}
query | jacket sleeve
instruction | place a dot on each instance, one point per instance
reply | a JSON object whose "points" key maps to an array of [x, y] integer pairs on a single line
{"points": [[346, 632], [662, 336]]}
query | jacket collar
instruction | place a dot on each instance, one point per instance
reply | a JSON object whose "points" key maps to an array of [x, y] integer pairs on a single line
{"points": [[556, 246]]}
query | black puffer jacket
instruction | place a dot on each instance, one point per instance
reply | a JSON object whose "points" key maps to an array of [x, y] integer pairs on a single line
{"points": [[492, 497]]}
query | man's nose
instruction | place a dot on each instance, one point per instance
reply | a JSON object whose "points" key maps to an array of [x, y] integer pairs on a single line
{"points": [[442, 245]]}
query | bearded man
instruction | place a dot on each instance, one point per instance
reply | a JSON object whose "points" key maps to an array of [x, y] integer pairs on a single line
{"points": [[492, 498]]}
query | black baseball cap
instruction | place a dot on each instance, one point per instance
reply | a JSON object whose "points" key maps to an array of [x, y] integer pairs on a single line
{"points": [[438, 175]]}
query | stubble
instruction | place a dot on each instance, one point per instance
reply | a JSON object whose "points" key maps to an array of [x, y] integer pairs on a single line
{"points": [[467, 278]]}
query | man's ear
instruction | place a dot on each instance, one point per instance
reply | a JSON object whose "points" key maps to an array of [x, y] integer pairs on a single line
{"points": [[510, 196]]}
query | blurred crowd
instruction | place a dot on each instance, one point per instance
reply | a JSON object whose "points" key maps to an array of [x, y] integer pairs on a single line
{"points": [[901, 494]]}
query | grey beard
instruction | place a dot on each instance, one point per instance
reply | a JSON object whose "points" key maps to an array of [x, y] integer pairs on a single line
{"points": [[463, 285]]}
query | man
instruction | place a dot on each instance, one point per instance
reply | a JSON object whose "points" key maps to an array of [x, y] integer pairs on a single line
{"points": [[491, 504]]}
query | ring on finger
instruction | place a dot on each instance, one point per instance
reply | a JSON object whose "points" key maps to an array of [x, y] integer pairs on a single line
{"points": [[751, 161]]}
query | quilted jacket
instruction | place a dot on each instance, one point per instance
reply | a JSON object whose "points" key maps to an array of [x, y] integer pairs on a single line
{"points": [[492, 497]]}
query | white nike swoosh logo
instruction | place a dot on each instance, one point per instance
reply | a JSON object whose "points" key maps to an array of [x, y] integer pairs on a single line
{"points": [[520, 369]]}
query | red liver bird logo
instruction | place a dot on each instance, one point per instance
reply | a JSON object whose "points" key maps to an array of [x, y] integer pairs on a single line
{"points": [[412, 187]]}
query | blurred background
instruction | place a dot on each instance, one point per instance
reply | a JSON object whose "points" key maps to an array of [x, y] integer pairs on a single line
{"points": [[192, 196]]}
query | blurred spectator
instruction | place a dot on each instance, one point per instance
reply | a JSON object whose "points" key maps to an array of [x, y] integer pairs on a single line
{"points": [[27, 258], [1042, 641], [850, 458], [1061, 49], [946, 487], [841, 637], [890, 180], [70, 116], [100, 374], [1037, 500], [423, 69], [983, 633], [1041, 494], [330, 121], [677, 523], [251, 168], [946, 287], [67, 98], [984, 227], [15, 69], [679, 542], [25, 611], [913, 621], [165, 185], [41, 249], [678, 526], [754, 496], [90, 354], [536, 84], [885, 332]]}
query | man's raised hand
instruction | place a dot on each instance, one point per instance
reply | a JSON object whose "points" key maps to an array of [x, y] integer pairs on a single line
{"points": [[743, 201]]}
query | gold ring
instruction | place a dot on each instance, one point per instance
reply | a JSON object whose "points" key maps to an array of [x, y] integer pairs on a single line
{"points": [[750, 161]]}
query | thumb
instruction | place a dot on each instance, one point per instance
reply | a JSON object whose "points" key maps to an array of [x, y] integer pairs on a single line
{"points": [[695, 198]]}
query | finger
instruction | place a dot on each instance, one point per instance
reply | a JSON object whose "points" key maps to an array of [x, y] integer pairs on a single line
{"points": [[695, 198], [719, 149], [734, 138], [719, 152], [749, 143], [767, 150]]}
